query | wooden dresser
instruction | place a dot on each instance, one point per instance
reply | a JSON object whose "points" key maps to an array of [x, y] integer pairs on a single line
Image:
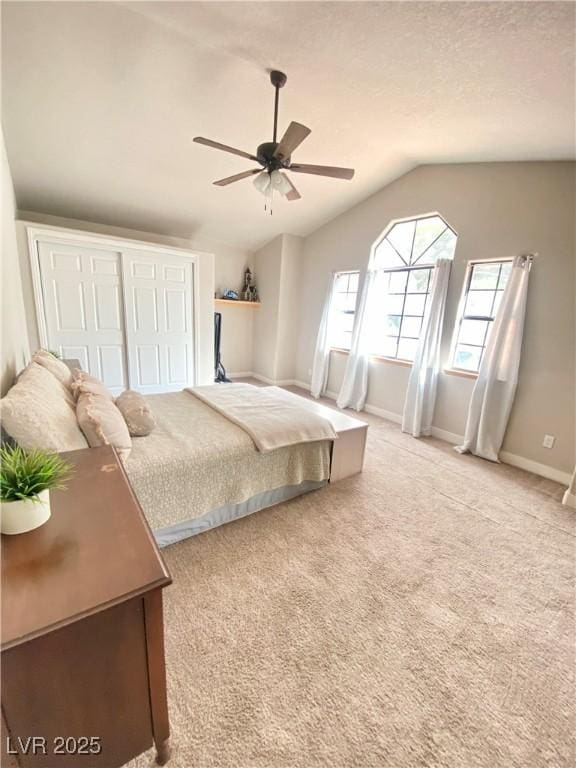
{"points": [[82, 630]]}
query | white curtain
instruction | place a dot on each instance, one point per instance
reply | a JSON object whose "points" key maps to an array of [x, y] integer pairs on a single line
{"points": [[367, 327], [493, 393], [423, 381], [322, 352]]}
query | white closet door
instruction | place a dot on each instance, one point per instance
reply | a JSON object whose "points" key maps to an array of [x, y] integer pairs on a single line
{"points": [[159, 321], [82, 291]]}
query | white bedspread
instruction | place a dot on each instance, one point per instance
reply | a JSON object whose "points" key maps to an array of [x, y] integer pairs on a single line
{"points": [[272, 417]]}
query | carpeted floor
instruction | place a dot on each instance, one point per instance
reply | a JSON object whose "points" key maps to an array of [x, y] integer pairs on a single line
{"points": [[419, 614]]}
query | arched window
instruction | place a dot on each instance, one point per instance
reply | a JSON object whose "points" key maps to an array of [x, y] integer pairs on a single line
{"points": [[405, 256]]}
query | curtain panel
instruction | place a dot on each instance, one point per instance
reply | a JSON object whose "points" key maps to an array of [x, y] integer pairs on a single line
{"points": [[423, 381], [493, 393], [321, 363], [354, 389]]}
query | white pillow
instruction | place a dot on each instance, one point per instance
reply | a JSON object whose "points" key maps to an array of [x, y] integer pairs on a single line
{"points": [[83, 383], [37, 412], [56, 367], [136, 412], [102, 423]]}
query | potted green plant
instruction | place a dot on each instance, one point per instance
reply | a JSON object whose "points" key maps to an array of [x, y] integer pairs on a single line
{"points": [[26, 478]]}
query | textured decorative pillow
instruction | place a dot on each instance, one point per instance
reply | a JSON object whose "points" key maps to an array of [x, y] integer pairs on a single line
{"points": [[37, 412], [83, 383], [56, 367], [102, 423], [136, 411]]}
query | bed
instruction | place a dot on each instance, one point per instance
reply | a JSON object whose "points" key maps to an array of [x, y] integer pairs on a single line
{"points": [[197, 469], [218, 452]]}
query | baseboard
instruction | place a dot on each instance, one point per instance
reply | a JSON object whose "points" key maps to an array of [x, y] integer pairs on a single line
{"points": [[448, 437], [273, 382], [388, 415], [550, 473], [569, 499], [263, 379]]}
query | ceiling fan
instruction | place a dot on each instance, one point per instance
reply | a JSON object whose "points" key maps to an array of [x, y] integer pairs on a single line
{"points": [[275, 157]]}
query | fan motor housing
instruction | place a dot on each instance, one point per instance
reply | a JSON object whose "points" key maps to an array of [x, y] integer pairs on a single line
{"points": [[265, 155]]}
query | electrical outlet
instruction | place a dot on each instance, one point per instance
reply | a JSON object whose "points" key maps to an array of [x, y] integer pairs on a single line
{"points": [[548, 441]]}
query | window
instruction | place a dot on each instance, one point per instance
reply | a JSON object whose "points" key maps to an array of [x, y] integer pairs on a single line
{"points": [[343, 309], [483, 289], [405, 259]]}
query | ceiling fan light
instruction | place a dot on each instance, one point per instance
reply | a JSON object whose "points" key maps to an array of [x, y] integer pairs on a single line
{"points": [[262, 182], [280, 182]]}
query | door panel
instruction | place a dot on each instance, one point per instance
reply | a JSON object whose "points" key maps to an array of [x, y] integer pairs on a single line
{"points": [[159, 322], [84, 308]]}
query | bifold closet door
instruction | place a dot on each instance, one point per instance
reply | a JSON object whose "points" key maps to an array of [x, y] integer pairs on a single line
{"points": [[83, 307], [158, 292]]}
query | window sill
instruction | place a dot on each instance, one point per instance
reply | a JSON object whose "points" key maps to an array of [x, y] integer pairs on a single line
{"points": [[408, 364], [376, 358], [463, 374]]}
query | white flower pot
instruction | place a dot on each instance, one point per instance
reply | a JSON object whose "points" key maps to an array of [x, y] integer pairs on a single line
{"points": [[25, 515]]}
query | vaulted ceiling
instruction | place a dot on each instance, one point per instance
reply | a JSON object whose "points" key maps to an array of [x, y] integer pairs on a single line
{"points": [[101, 102]]}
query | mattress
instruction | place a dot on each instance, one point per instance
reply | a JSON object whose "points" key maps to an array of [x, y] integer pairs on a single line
{"points": [[196, 461]]}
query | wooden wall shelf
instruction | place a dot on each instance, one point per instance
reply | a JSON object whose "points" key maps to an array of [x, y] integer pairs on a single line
{"points": [[236, 303]]}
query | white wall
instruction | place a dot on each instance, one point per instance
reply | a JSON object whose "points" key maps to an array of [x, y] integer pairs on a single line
{"points": [[229, 265], [498, 210], [289, 307], [268, 269], [278, 268], [15, 350]]}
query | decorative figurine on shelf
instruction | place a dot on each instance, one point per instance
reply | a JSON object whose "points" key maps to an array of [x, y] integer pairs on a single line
{"points": [[249, 293], [230, 295]]}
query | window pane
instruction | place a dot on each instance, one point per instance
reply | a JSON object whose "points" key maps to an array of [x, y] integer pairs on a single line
{"points": [[427, 230], [398, 282], [497, 301], [411, 326], [407, 349], [479, 303], [414, 304], [418, 280], [473, 332], [386, 256], [392, 325], [394, 304], [350, 302], [443, 247], [342, 283], [388, 347], [504, 274], [484, 276], [353, 282], [467, 358], [347, 321], [340, 302], [402, 236]]}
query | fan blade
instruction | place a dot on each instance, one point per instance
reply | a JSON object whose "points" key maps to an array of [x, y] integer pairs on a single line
{"points": [[293, 194], [294, 136], [323, 170], [223, 147], [237, 177]]}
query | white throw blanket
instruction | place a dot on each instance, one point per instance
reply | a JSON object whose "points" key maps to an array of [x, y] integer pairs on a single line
{"points": [[271, 416]]}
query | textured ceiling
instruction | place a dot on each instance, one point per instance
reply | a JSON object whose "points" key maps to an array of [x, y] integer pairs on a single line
{"points": [[101, 102]]}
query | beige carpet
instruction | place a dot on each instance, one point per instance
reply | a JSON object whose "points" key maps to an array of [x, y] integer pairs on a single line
{"points": [[420, 614]]}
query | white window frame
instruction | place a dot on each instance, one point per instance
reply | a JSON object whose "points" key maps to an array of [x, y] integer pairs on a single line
{"points": [[383, 235], [452, 367], [337, 274]]}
